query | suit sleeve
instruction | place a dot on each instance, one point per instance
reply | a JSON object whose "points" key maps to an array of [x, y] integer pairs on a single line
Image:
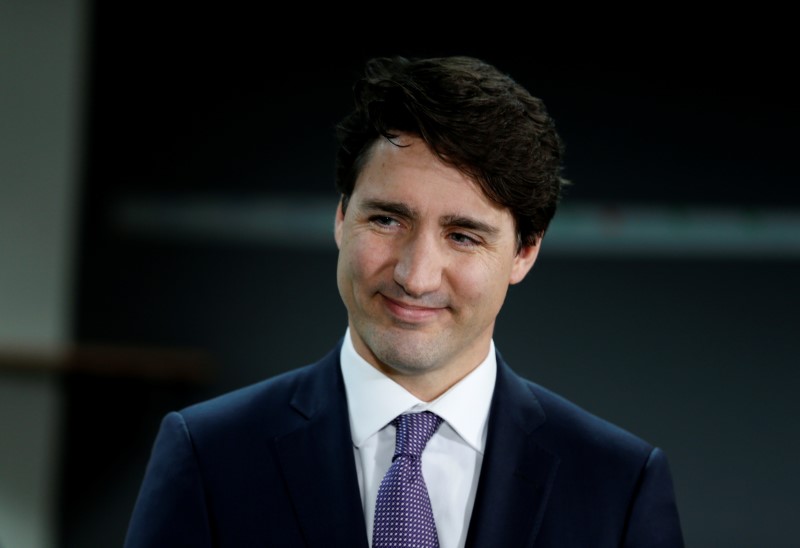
{"points": [[170, 509], [653, 520]]}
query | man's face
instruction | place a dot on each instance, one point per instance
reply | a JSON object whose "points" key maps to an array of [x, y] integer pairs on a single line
{"points": [[425, 261]]}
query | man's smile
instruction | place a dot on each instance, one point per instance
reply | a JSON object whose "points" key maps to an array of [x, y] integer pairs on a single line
{"points": [[412, 313]]}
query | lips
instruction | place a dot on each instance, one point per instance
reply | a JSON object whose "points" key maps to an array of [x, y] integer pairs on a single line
{"points": [[412, 313]]}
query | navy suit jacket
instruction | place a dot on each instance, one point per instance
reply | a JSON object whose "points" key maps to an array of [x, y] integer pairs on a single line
{"points": [[272, 465]]}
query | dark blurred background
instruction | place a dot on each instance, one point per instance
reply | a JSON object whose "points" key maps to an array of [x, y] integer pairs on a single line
{"points": [[664, 299]]}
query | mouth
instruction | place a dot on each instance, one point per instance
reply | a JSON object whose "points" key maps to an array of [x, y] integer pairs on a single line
{"points": [[411, 313]]}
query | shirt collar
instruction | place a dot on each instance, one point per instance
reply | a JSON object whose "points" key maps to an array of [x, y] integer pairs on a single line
{"points": [[374, 400]]}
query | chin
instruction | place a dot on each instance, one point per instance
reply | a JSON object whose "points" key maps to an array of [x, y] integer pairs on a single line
{"points": [[405, 351]]}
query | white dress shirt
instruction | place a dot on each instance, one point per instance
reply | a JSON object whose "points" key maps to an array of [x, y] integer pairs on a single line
{"points": [[451, 462]]}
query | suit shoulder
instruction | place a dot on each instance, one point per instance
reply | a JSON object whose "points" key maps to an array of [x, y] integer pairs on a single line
{"points": [[264, 406], [571, 424], [273, 390]]}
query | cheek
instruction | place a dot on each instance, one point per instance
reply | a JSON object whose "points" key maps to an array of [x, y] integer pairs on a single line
{"points": [[485, 285], [363, 260]]}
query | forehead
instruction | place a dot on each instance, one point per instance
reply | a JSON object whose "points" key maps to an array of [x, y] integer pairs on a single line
{"points": [[408, 171]]}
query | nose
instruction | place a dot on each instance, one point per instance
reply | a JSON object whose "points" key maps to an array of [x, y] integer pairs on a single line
{"points": [[419, 266]]}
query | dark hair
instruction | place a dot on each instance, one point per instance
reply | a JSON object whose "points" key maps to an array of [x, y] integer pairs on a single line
{"points": [[475, 118]]}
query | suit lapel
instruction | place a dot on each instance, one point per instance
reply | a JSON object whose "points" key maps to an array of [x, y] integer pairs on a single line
{"points": [[517, 473], [318, 463]]}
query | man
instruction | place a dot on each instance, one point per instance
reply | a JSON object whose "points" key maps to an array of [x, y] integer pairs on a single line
{"points": [[449, 174]]}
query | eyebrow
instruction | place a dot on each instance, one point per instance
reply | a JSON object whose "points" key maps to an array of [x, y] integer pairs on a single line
{"points": [[459, 221], [396, 208], [470, 224]]}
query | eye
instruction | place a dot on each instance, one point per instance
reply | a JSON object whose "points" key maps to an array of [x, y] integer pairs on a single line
{"points": [[383, 221], [463, 239]]}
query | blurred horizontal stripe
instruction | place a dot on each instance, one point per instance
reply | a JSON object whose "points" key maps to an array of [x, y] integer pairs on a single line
{"points": [[580, 230]]}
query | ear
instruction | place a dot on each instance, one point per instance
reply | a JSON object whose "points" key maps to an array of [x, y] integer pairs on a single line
{"points": [[523, 262], [338, 224]]}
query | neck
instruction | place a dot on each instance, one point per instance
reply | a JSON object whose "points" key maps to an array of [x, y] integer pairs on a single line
{"points": [[427, 385]]}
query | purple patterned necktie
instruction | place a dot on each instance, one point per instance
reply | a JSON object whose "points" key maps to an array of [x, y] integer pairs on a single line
{"points": [[403, 515]]}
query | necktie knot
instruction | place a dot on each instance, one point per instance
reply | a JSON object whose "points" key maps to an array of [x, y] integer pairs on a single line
{"points": [[413, 432]]}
